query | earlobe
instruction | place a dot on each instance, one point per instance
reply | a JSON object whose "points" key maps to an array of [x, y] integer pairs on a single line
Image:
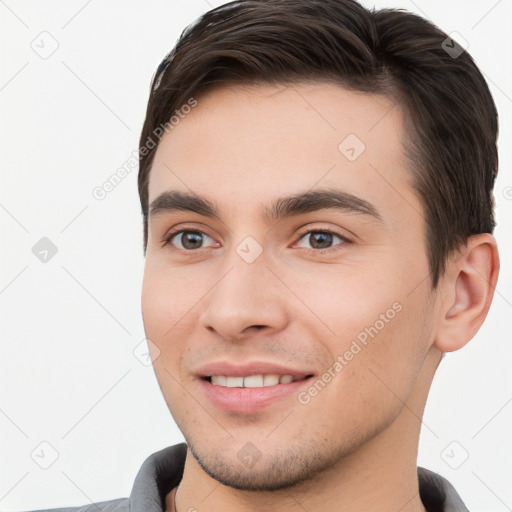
{"points": [[470, 282]]}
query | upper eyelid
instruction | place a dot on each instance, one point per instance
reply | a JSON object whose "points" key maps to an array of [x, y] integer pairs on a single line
{"points": [[333, 231]]}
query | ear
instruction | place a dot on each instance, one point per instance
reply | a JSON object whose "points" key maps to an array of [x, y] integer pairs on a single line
{"points": [[468, 287]]}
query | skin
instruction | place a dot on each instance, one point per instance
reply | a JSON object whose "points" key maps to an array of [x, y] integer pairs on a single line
{"points": [[354, 445]]}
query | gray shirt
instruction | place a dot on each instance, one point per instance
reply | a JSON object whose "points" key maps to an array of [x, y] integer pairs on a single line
{"points": [[163, 470]]}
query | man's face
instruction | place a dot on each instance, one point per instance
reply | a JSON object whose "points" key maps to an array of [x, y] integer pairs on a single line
{"points": [[246, 287]]}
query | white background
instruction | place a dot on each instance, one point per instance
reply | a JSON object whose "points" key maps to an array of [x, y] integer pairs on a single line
{"points": [[69, 326]]}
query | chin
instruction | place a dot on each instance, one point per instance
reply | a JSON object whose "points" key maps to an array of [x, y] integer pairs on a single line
{"points": [[282, 469]]}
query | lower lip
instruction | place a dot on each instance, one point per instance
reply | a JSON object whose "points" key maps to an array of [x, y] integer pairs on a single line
{"points": [[249, 400]]}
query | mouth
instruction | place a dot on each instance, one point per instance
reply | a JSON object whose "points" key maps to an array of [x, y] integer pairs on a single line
{"points": [[251, 386], [254, 381], [254, 393]]}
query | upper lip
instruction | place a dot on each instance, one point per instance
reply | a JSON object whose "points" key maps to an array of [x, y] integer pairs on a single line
{"points": [[250, 368]]}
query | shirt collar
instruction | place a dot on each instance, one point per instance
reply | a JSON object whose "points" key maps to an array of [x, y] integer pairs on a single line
{"points": [[163, 470]]}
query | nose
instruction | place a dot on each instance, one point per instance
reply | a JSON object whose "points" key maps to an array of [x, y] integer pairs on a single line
{"points": [[246, 300]]}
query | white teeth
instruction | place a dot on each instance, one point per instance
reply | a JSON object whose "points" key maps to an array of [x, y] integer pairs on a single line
{"points": [[235, 382], [220, 380], [270, 380], [252, 381]]}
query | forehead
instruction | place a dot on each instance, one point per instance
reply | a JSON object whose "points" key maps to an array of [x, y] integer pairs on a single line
{"points": [[253, 143]]}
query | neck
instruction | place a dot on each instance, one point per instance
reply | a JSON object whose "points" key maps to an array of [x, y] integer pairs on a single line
{"points": [[381, 475]]}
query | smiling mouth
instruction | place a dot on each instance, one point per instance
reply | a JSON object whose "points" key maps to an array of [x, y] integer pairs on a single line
{"points": [[253, 381]]}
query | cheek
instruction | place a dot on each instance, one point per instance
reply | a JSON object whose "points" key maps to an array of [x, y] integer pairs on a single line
{"points": [[168, 299], [391, 357], [170, 309], [376, 327], [347, 299], [164, 303], [378, 366]]}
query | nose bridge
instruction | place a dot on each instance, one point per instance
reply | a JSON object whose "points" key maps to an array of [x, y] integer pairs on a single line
{"points": [[246, 294]]}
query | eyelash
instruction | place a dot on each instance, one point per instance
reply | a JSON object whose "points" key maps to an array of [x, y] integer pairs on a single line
{"points": [[345, 240]]}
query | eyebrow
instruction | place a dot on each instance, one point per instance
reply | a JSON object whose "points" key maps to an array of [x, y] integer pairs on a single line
{"points": [[296, 204]]}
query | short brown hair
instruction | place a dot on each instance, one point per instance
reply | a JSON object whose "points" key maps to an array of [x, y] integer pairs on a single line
{"points": [[451, 118]]}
